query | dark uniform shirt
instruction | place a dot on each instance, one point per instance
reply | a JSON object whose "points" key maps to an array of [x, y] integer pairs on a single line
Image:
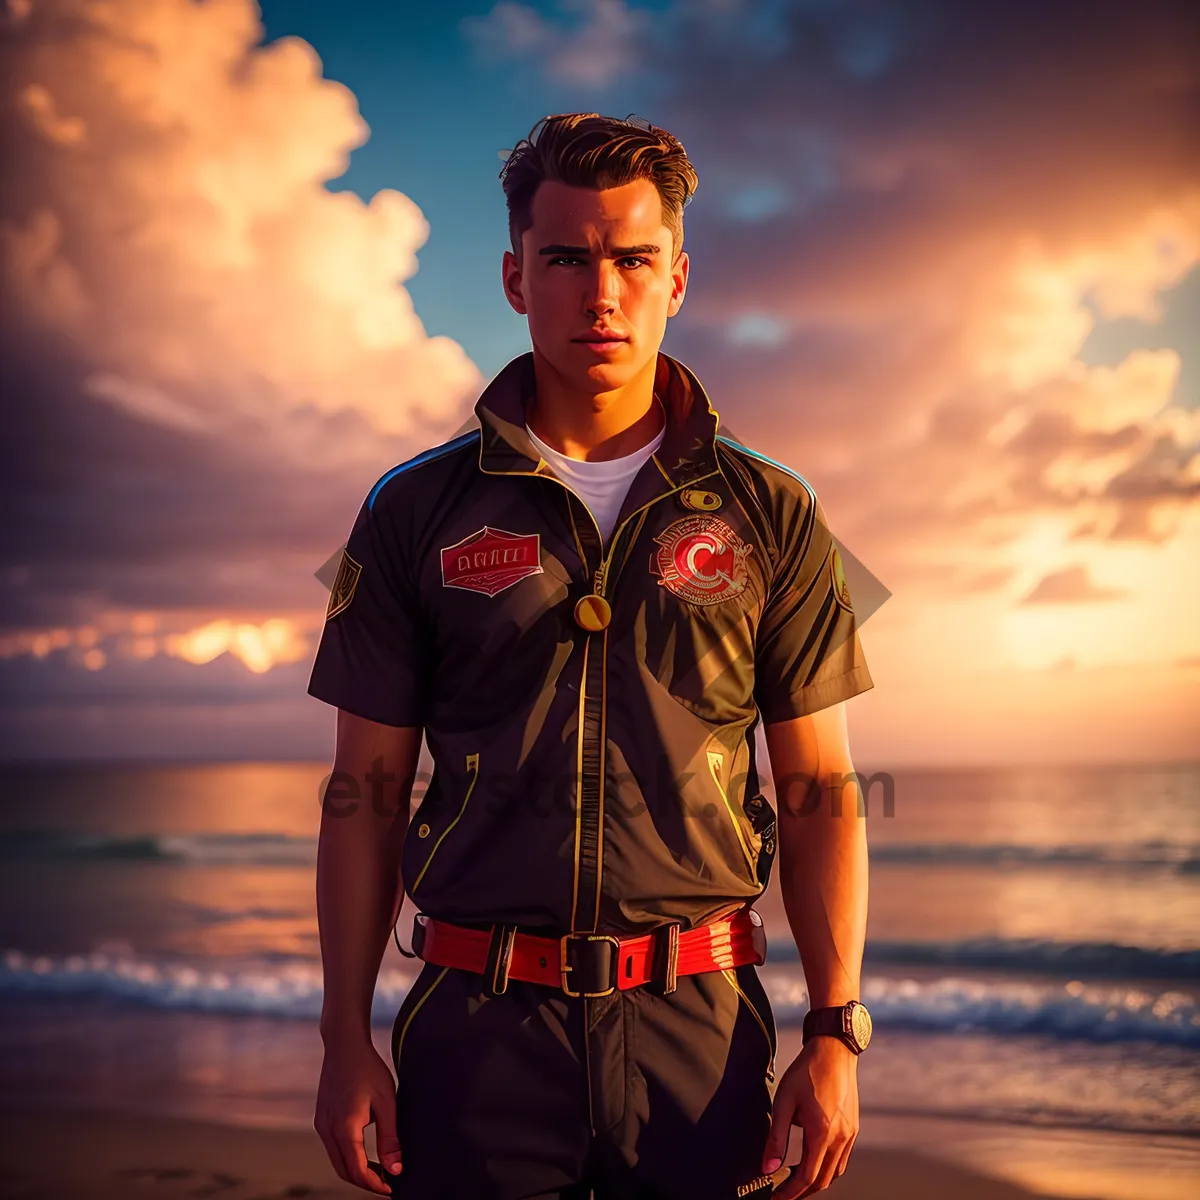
{"points": [[588, 778]]}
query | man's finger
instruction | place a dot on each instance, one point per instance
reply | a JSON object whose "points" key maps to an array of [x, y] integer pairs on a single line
{"points": [[829, 1164], [777, 1140], [349, 1134], [386, 1140], [816, 1145], [845, 1159], [333, 1152]]}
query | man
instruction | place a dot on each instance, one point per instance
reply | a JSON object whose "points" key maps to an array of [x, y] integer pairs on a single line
{"points": [[587, 605]]}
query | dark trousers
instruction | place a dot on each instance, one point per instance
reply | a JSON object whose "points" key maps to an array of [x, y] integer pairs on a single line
{"points": [[535, 1095]]}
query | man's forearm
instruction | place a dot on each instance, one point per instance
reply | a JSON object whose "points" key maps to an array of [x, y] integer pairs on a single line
{"points": [[358, 899], [822, 868]]}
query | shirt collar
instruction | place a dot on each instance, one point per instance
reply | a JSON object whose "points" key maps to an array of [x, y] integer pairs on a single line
{"points": [[687, 453]]}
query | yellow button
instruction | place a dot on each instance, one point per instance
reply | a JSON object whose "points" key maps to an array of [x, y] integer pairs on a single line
{"points": [[700, 500], [592, 613], [423, 831]]}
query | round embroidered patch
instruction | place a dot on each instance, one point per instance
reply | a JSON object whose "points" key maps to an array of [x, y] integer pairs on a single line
{"points": [[702, 560]]}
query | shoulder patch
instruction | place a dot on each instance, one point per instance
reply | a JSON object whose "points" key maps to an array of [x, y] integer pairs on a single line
{"points": [[344, 584], [837, 577], [425, 456]]}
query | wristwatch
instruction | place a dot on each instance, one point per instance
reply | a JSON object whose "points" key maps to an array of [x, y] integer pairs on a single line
{"points": [[850, 1022]]}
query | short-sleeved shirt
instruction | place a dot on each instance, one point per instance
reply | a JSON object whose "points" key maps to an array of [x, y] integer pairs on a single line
{"points": [[594, 763]]}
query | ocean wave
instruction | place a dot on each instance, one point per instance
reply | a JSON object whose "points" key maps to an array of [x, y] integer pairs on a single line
{"points": [[1068, 1010], [288, 988], [267, 848], [1156, 855], [239, 849], [1110, 960], [1033, 956]]}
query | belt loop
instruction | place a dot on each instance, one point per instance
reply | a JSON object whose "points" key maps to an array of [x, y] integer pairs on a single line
{"points": [[418, 934], [664, 961], [499, 957]]}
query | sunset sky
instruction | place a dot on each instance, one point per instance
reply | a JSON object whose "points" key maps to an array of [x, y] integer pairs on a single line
{"points": [[945, 262]]}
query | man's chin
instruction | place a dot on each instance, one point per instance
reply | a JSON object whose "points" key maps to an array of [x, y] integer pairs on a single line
{"points": [[597, 376]]}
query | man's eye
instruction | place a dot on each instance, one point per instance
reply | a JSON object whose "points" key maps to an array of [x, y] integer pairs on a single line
{"points": [[567, 258]]}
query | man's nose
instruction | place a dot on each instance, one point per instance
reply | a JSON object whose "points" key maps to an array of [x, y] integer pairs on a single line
{"points": [[602, 286]]}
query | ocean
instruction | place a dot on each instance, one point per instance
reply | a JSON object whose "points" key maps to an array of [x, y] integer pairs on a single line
{"points": [[1032, 962]]}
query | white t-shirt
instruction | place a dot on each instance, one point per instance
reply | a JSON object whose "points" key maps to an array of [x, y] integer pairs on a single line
{"points": [[600, 485]]}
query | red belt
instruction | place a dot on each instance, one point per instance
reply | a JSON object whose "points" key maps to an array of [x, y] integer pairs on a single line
{"points": [[592, 964]]}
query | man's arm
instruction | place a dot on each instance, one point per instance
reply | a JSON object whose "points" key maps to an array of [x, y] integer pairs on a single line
{"points": [[364, 819], [359, 890], [822, 857], [822, 864]]}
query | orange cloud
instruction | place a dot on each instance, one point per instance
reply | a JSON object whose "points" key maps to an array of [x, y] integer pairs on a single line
{"points": [[258, 644], [1071, 585], [170, 220]]}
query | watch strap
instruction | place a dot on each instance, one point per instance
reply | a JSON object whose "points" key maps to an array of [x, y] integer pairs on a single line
{"points": [[835, 1020], [824, 1020]]}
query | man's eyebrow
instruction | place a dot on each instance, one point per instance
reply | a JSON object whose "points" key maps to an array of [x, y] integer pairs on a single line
{"points": [[618, 251]]}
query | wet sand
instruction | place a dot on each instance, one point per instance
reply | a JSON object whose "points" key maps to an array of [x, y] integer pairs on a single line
{"points": [[116, 1156]]}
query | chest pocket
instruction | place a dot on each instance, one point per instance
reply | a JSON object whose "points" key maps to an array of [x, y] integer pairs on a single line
{"points": [[706, 586]]}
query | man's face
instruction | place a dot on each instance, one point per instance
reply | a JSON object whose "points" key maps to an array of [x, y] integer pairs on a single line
{"points": [[596, 260]]}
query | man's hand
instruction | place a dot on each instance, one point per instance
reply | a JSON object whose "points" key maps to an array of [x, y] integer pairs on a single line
{"points": [[356, 1087], [359, 894], [818, 1092]]}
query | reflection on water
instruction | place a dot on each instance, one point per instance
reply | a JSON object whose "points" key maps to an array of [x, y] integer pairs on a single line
{"points": [[1033, 958]]}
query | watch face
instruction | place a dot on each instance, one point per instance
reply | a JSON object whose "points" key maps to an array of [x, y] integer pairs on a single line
{"points": [[860, 1025]]}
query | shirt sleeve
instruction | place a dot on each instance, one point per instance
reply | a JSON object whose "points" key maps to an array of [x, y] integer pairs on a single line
{"points": [[807, 650], [371, 659]]}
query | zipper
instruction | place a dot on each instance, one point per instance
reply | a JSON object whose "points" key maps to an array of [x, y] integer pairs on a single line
{"points": [[600, 575], [398, 1039], [600, 582], [715, 759], [601, 578], [473, 767], [731, 975]]}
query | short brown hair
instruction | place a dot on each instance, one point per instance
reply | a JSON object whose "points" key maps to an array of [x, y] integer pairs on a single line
{"points": [[588, 150]]}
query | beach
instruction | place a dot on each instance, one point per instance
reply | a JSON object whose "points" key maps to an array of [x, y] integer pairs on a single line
{"points": [[1031, 967], [116, 1156]]}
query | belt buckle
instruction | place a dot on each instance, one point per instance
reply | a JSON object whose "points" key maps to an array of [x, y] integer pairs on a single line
{"points": [[565, 965]]}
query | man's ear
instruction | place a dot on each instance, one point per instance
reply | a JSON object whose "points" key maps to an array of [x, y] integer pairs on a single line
{"points": [[510, 270], [679, 277]]}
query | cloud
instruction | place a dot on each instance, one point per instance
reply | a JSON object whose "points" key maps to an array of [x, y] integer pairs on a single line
{"points": [[169, 218], [141, 636], [910, 220], [214, 355], [597, 46], [931, 207], [957, 195], [1071, 585]]}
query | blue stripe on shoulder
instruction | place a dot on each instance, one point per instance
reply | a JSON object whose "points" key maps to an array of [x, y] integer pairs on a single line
{"points": [[782, 466], [424, 457]]}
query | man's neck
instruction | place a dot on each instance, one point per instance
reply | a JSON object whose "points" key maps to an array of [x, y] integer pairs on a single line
{"points": [[594, 427]]}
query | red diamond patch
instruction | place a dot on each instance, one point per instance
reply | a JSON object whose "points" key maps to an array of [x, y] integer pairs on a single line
{"points": [[490, 560]]}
